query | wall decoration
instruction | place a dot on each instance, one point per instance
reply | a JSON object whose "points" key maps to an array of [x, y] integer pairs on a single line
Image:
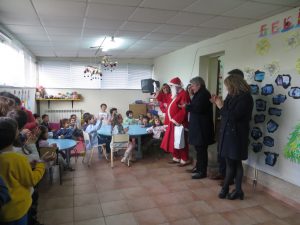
{"points": [[259, 76], [292, 39], [292, 148], [283, 80], [256, 147], [256, 133], [259, 118], [274, 111], [268, 141], [260, 105], [278, 99], [272, 68], [254, 89], [271, 158], [298, 65], [249, 73], [272, 126], [263, 46], [268, 89], [294, 92]]}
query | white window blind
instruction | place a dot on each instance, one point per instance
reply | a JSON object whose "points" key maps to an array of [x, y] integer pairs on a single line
{"points": [[59, 74]]}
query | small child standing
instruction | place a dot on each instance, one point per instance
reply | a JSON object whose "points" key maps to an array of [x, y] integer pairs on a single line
{"points": [[157, 129], [129, 120], [103, 114], [91, 129], [117, 128], [17, 174]]}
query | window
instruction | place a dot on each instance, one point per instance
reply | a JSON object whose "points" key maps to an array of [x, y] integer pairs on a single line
{"points": [[62, 74], [16, 67]]}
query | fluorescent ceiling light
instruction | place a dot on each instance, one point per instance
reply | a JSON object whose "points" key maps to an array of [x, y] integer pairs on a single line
{"points": [[109, 43]]}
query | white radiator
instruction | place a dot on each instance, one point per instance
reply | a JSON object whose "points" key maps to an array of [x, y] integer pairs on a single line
{"points": [[56, 115]]}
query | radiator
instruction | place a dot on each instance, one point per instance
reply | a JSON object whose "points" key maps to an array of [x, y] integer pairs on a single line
{"points": [[56, 115]]}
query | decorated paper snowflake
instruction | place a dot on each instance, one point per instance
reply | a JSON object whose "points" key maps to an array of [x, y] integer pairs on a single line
{"points": [[272, 68], [292, 39], [249, 73], [263, 46]]}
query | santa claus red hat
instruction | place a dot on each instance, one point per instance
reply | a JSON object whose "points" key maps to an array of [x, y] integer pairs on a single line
{"points": [[176, 82]]}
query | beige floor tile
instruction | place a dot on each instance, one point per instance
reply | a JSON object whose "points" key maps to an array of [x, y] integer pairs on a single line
{"points": [[198, 208], [57, 216], [293, 219], [221, 205], [274, 222], [150, 216], [124, 219], [85, 189], [98, 221], [259, 214], [86, 199], [238, 217], [213, 219], [115, 207], [87, 212], [141, 203], [165, 199], [190, 221], [56, 203], [109, 196], [176, 212], [279, 209], [184, 197], [134, 192]]}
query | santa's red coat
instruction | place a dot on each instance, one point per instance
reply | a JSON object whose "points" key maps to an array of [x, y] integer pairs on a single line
{"points": [[179, 114]]}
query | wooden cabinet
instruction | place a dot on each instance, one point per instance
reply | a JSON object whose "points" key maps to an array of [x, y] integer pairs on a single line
{"points": [[138, 109]]}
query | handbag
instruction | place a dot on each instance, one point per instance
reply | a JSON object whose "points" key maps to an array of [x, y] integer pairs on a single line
{"points": [[179, 137]]}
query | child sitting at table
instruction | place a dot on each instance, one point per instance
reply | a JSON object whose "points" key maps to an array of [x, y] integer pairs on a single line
{"points": [[129, 120], [91, 129], [145, 122], [112, 113], [140, 119], [65, 131], [42, 141], [150, 116], [117, 128], [17, 174]]}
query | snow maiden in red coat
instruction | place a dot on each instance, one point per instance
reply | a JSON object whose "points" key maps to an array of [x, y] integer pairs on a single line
{"points": [[177, 116]]}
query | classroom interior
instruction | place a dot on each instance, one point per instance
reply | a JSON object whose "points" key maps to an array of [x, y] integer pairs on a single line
{"points": [[86, 52]]}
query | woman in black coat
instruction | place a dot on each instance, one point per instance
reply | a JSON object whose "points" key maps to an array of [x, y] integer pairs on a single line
{"points": [[201, 126], [236, 112]]}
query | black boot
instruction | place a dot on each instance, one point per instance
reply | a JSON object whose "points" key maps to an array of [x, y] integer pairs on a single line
{"points": [[223, 193], [236, 194]]}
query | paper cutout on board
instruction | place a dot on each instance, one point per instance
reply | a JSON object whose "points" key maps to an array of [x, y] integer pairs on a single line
{"points": [[254, 89], [256, 147], [294, 92], [256, 133], [259, 118], [292, 39], [263, 46], [272, 68], [292, 148], [283, 80], [298, 65], [260, 105], [259, 76], [278, 99], [268, 141], [272, 126], [268, 89], [271, 158], [249, 73], [274, 111]]}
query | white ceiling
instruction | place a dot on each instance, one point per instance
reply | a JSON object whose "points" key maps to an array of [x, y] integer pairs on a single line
{"points": [[150, 28]]}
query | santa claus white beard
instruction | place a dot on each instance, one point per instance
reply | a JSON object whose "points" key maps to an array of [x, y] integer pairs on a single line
{"points": [[173, 91]]}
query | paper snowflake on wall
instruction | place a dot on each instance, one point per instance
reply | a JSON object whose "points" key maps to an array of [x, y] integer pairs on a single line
{"points": [[272, 68], [249, 73], [298, 65], [263, 46], [292, 39]]}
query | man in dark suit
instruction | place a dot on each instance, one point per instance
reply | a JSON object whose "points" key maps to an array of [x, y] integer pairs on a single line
{"points": [[201, 127]]}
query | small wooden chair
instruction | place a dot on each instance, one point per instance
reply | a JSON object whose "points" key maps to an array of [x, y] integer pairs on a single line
{"points": [[44, 150], [86, 138], [123, 140]]}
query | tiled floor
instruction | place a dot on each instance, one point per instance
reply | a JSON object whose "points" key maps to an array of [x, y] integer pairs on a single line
{"points": [[152, 192]]}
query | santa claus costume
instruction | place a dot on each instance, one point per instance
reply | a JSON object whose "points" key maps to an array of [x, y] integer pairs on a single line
{"points": [[177, 116]]}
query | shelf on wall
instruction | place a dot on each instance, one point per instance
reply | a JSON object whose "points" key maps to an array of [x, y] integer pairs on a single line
{"points": [[38, 100]]}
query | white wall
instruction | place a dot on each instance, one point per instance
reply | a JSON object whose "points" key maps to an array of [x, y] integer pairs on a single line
{"points": [[93, 98], [239, 47]]}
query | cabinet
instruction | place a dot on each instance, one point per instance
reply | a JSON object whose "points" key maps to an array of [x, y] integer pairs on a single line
{"points": [[138, 109]]}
